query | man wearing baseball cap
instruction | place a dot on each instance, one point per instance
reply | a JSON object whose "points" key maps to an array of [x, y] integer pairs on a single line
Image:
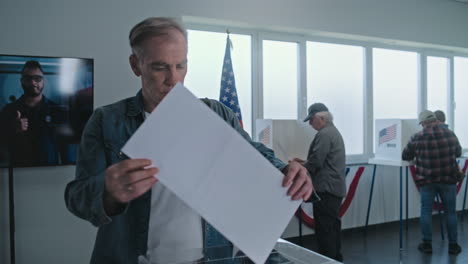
{"points": [[326, 166], [435, 150]]}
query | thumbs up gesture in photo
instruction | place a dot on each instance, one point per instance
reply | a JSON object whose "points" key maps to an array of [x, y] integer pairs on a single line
{"points": [[21, 123]]}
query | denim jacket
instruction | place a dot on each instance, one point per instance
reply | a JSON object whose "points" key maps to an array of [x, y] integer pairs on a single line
{"points": [[123, 237]]}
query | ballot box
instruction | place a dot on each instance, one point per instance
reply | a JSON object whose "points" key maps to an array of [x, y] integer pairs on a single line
{"points": [[288, 138], [284, 252], [391, 137]]}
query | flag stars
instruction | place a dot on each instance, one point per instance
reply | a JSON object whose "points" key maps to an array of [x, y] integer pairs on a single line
{"points": [[228, 94]]}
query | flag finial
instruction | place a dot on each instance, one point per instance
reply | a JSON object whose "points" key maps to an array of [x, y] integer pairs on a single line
{"points": [[228, 32]]}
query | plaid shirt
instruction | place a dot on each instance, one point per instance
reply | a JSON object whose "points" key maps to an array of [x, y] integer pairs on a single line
{"points": [[435, 150]]}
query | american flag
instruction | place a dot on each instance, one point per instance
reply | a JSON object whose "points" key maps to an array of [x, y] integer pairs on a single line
{"points": [[387, 134], [228, 93]]}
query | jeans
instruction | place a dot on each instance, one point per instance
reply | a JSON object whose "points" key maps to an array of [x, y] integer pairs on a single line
{"points": [[447, 193]]}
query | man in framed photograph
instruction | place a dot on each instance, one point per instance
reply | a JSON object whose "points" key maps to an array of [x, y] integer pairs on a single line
{"points": [[31, 122]]}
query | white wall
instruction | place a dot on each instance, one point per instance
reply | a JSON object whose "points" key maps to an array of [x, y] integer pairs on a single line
{"points": [[46, 232]]}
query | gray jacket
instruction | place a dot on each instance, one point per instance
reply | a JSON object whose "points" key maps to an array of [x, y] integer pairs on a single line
{"points": [[326, 161], [122, 238]]}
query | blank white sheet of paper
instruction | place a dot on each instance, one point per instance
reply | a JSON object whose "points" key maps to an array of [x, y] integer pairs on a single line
{"points": [[208, 165]]}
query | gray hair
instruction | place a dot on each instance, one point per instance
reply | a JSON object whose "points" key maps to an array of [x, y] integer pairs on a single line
{"points": [[152, 27], [327, 116]]}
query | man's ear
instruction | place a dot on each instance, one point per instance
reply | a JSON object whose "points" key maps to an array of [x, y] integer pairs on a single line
{"points": [[133, 59]]}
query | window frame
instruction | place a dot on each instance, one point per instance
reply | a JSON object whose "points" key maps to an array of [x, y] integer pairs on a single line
{"points": [[269, 36], [450, 114]]}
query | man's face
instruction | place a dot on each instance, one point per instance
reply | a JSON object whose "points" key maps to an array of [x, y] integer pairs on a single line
{"points": [[316, 122], [32, 82], [162, 63]]}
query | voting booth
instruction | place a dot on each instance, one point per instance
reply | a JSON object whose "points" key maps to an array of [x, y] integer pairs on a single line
{"points": [[391, 137], [288, 138]]}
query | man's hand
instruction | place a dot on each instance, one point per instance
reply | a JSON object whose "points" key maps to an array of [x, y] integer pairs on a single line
{"points": [[298, 180], [125, 181], [301, 161], [21, 123]]}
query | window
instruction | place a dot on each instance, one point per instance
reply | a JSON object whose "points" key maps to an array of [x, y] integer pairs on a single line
{"points": [[395, 84], [280, 79], [395, 79], [461, 93], [205, 62], [335, 77], [335, 74], [437, 83]]}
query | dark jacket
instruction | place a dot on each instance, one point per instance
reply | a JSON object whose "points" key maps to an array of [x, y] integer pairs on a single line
{"points": [[326, 161]]}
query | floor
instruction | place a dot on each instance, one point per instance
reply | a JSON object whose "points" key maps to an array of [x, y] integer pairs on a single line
{"points": [[381, 244]]}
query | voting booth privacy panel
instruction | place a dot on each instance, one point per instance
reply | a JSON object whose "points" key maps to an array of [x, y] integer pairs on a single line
{"points": [[391, 137], [288, 138], [292, 138]]}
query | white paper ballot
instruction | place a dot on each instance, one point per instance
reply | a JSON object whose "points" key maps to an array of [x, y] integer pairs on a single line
{"points": [[215, 171]]}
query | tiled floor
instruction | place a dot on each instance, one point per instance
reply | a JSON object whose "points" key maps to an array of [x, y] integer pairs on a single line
{"points": [[381, 244]]}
